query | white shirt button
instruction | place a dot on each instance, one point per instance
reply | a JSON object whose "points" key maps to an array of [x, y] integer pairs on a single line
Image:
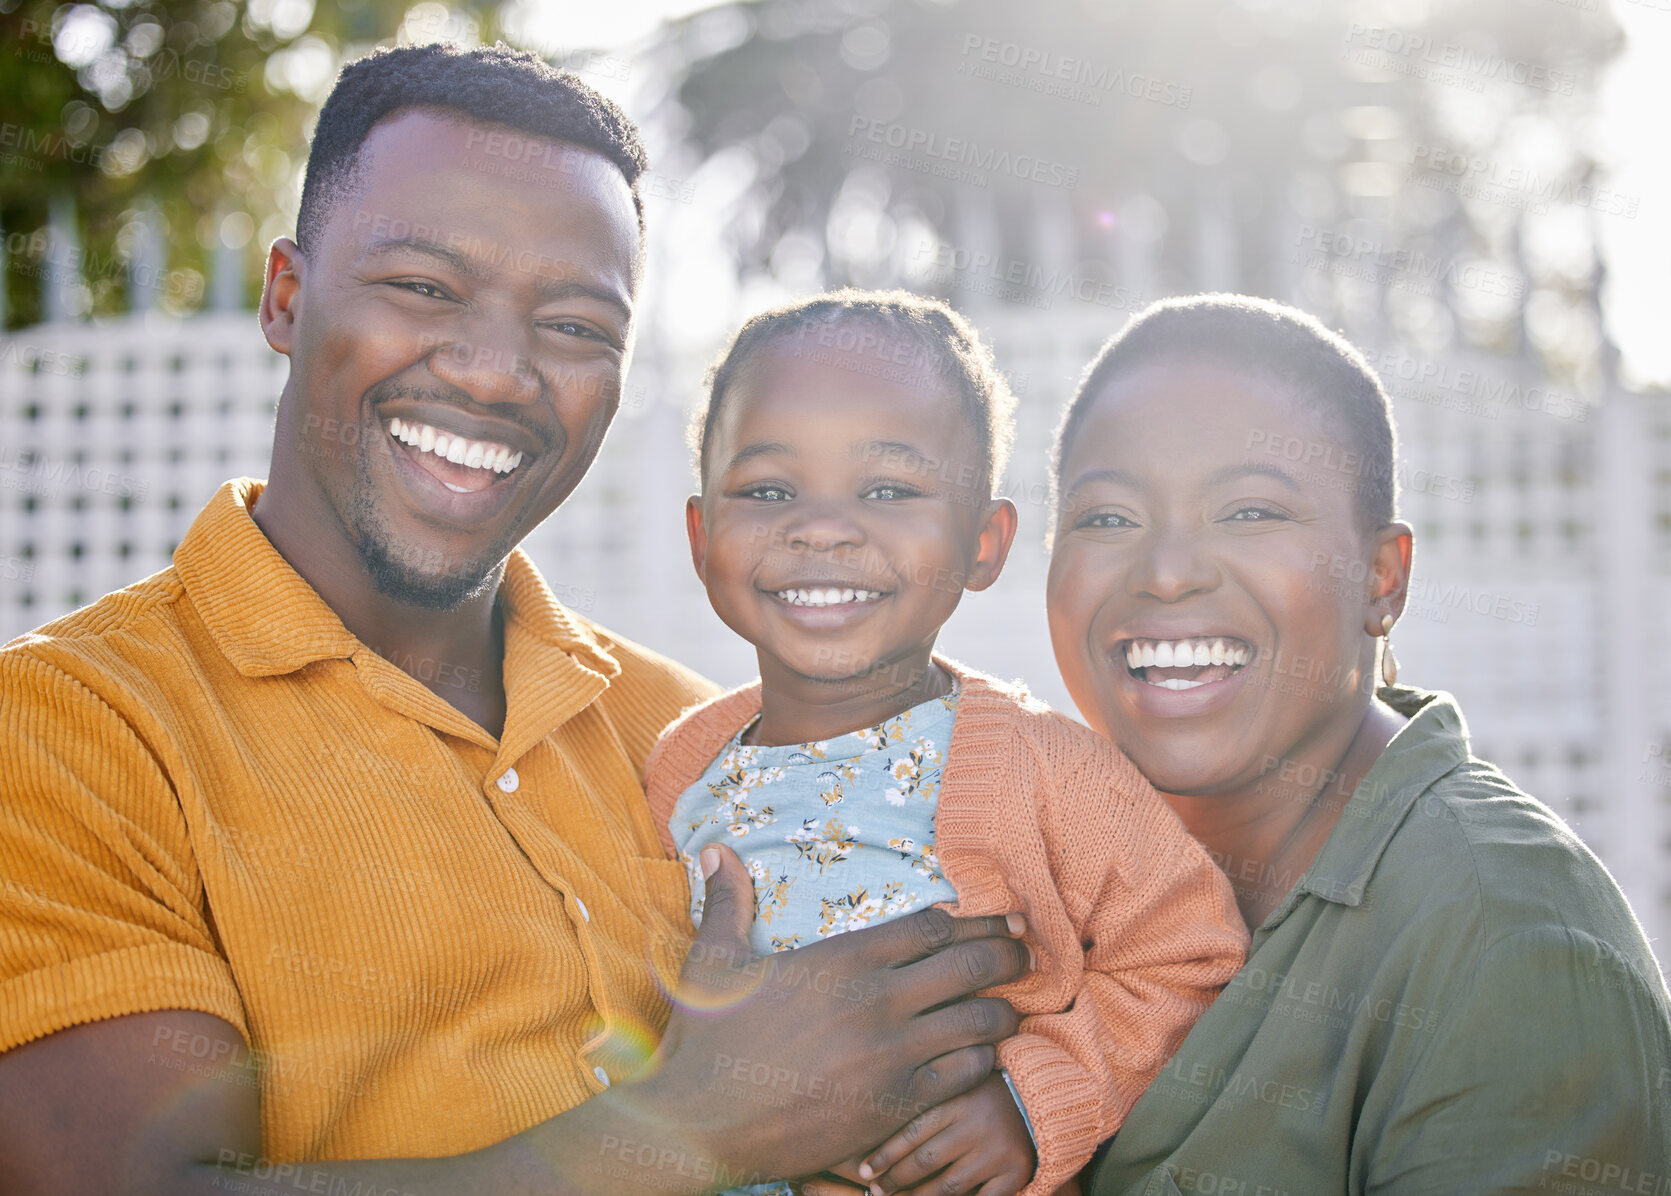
{"points": [[509, 781], [581, 906], [603, 1076]]}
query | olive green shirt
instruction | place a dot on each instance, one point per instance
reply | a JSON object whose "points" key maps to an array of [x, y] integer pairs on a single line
{"points": [[1455, 998]]}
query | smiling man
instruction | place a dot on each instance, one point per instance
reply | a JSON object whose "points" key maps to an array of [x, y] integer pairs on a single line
{"points": [[329, 842], [461, 362]]}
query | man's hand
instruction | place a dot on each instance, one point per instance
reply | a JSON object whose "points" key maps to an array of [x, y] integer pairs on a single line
{"points": [[769, 1067], [977, 1140], [785, 1064]]}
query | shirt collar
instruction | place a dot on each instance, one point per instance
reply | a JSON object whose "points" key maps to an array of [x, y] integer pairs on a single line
{"points": [[1431, 744], [262, 615], [268, 621]]}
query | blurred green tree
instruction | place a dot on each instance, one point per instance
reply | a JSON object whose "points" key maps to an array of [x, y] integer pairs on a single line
{"points": [[173, 130]]}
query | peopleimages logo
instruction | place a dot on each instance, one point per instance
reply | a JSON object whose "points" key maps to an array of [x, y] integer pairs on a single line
{"points": [[36, 360], [957, 152], [1493, 391], [29, 470], [1031, 281], [1038, 69], [1422, 57], [1438, 598], [1346, 253], [1471, 175], [40, 146]]}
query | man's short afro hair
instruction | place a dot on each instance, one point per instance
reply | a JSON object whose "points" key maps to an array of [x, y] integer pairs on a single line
{"points": [[491, 84]]}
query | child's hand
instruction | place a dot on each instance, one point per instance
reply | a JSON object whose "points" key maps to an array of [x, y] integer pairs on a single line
{"points": [[976, 1140], [833, 1181]]}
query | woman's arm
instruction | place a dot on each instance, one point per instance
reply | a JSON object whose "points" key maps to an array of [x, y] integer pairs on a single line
{"points": [[1551, 1071], [1161, 937]]}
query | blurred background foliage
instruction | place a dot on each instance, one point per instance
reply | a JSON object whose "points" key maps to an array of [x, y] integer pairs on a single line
{"points": [[191, 119], [178, 132], [1282, 118]]}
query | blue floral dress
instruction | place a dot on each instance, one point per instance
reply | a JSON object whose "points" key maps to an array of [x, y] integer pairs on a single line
{"points": [[837, 834]]}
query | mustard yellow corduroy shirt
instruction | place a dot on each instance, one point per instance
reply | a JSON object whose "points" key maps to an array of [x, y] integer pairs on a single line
{"points": [[214, 798]]}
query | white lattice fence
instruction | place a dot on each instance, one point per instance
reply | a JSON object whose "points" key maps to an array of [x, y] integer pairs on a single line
{"points": [[111, 438], [1542, 599]]}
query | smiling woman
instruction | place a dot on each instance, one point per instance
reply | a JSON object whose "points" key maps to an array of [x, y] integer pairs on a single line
{"points": [[1176, 533], [1445, 990]]}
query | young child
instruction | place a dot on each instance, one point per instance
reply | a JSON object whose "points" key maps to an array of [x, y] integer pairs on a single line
{"points": [[848, 454]]}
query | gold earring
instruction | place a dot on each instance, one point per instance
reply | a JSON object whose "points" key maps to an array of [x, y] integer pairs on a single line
{"points": [[1389, 664]]}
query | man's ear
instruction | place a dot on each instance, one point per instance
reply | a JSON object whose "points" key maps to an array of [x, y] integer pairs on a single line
{"points": [[698, 535], [1390, 570], [997, 534], [281, 294]]}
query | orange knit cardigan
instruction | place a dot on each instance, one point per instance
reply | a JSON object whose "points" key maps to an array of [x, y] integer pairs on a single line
{"points": [[1134, 928]]}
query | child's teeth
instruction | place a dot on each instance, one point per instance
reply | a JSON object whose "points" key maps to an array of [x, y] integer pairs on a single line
{"points": [[826, 596]]}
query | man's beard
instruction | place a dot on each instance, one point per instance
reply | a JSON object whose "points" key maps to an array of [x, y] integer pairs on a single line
{"points": [[415, 576]]}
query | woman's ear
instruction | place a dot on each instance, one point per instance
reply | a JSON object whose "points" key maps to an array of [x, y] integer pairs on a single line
{"points": [[1390, 573], [997, 534]]}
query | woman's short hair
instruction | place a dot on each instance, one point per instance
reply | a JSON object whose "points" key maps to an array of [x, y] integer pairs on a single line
{"points": [[1277, 343]]}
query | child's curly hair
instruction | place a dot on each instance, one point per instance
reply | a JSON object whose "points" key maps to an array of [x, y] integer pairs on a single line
{"points": [[908, 335]]}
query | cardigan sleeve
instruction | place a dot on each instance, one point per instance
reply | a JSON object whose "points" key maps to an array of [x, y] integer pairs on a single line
{"points": [[1161, 936], [687, 746]]}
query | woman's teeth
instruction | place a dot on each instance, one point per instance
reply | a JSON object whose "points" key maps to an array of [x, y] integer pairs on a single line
{"points": [[1182, 654], [473, 454], [1185, 654], [827, 596]]}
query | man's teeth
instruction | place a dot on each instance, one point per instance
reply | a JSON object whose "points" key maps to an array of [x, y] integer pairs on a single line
{"points": [[828, 596], [1183, 654], [474, 454]]}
